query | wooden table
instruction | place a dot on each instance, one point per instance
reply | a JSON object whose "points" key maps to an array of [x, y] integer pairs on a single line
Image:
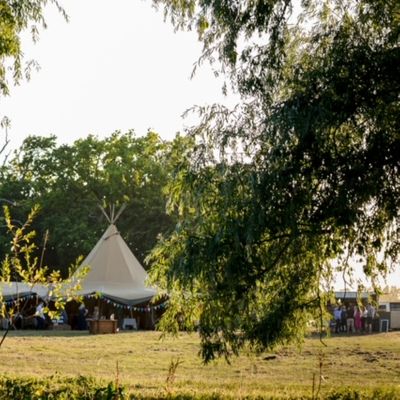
{"points": [[103, 326]]}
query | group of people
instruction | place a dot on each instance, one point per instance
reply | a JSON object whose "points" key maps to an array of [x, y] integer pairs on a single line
{"points": [[354, 318], [36, 316], [42, 320], [79, 320]]}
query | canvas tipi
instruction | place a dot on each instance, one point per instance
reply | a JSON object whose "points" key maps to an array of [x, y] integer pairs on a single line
{"points": [[114, 272]]}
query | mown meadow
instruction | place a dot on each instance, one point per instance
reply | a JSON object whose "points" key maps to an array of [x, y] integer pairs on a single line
{"points": [[150, 367]]}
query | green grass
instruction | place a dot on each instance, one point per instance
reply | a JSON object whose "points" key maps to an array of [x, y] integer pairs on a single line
{"points": [[364, 362]]}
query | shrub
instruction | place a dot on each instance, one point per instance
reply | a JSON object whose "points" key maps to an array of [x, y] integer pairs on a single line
{"points": [[351, 394], [83, 388], [54, 387]]}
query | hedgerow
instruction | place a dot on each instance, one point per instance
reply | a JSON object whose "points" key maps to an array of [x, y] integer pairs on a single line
{"points": [[84, 388]]}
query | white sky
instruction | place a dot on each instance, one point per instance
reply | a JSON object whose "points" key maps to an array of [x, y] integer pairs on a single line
{"points": [[115, 65]]}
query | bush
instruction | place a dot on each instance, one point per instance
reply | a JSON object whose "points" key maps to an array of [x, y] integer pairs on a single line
{"points": [[82, 388], [54, 387], [350, 394]]}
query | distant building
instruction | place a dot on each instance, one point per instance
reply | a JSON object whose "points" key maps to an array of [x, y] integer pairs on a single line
{"points": [[346, 297], [390, 304]]}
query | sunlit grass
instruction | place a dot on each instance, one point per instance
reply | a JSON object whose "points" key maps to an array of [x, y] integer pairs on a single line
{"points": [[369, 361]]}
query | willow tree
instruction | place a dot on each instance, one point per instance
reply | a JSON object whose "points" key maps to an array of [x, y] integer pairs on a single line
{"points": [[303, 172]]}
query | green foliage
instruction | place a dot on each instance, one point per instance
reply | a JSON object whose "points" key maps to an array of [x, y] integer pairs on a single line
{"points": [[16, 17], [71, 181], [82, 388], [22, 266], [351, 394], [303, 173], [55, 387]]}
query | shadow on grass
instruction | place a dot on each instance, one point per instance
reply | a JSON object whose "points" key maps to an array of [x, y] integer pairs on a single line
{"points": [[45, 333], [56, 333], [345, 335]]}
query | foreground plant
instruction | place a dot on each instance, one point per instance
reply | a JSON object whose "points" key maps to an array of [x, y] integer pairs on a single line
{"points": [[24, 275]]}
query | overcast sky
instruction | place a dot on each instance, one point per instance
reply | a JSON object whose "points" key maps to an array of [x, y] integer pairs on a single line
{"points": [[115, 65]]}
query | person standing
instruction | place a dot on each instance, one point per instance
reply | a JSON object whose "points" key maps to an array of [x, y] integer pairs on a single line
{"points": [[82, 313], [343, 319], [364, 319], [39, 316], [357, 319], [370, 317], [350, 319], [337, 315], [96, 313]]}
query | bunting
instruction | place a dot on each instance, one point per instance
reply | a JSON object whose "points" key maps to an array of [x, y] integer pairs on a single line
{"points": [[13, 302], [127, 306], [149, 308]]}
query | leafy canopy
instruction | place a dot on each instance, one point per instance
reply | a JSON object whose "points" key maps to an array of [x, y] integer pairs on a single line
{"points": [[71, 181], [303, 172], [17, 16]]}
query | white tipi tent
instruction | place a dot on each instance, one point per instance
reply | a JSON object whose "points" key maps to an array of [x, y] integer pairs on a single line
{"points": [[114, 272]]}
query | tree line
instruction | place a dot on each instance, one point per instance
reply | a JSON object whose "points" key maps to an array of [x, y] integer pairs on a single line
{"points": [[71, 182]]}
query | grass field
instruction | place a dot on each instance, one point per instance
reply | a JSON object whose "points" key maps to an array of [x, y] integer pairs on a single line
{"points": [[368, 362]]}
